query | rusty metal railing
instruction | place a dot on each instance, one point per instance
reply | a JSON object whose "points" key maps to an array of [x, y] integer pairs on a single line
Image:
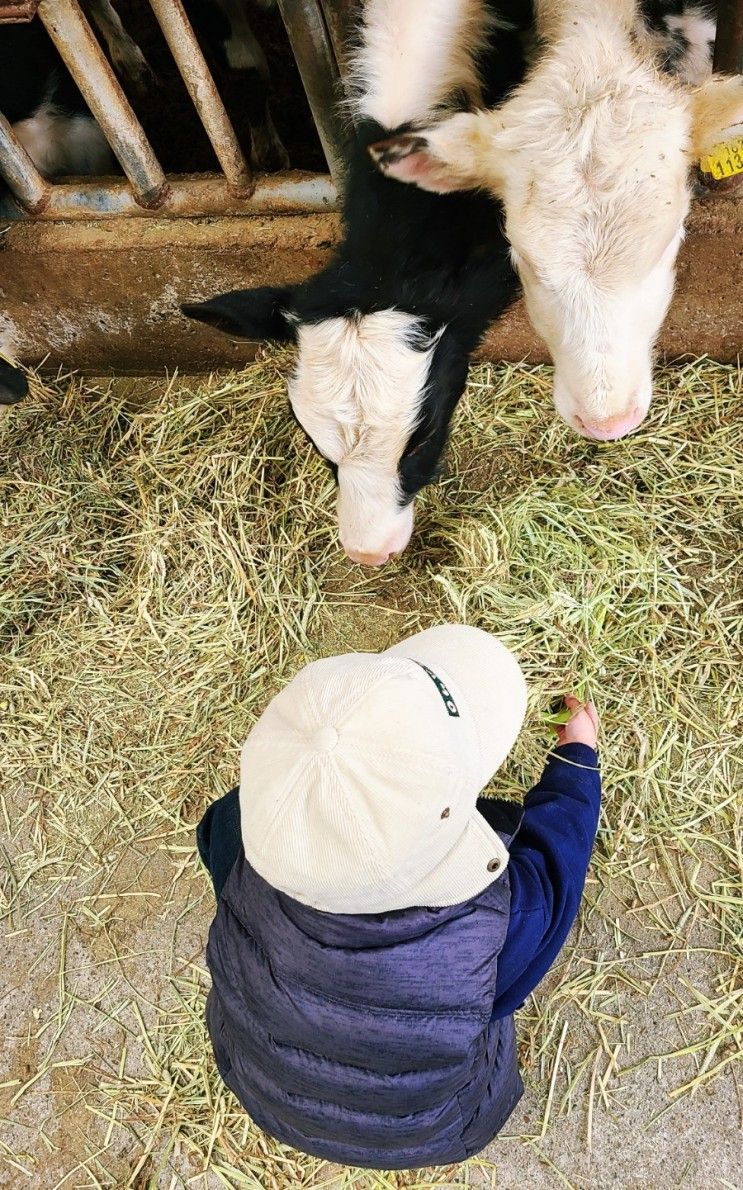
{"points": [[147, 189], [19, 171], [316, 31], [195, 73], [82, 55], [16, 12]]}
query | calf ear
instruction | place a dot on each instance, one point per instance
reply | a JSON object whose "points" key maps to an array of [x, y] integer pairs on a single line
{"points": [[247, 313], [457, 154], [717, 112]]}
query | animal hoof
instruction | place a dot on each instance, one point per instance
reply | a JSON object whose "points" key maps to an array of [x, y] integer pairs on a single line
{"points": [[385, 152], [134, 68], [270, 160]]}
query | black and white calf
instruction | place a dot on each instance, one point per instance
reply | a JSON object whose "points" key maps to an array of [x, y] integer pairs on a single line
{"points": [[385, 332]]}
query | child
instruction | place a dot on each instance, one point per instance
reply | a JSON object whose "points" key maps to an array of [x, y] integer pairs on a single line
{"points": [[377, 924]]}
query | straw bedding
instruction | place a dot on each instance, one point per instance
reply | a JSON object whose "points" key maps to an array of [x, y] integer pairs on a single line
{"points": [[168, 560]]}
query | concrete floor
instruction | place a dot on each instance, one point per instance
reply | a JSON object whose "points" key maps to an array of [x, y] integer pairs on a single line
{"points": [[639, 1137]]}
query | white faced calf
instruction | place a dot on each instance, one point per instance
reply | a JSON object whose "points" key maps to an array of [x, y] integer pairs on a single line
{"points": [[591, 158]]}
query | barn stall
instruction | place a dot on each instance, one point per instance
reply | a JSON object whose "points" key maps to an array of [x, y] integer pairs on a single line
{"points": [[188, 217], [168, 558]]}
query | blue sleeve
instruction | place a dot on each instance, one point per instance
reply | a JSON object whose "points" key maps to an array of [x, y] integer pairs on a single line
{"points": [[219, 839], [549, 860]]}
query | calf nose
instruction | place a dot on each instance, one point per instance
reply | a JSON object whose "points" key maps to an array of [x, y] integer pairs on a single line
{"points": [[368, 559], [606, 429]]}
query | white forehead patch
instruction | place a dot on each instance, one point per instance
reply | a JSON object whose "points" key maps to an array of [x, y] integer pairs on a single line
{"points": [[359, 383], [605, 181], [358, 389]]}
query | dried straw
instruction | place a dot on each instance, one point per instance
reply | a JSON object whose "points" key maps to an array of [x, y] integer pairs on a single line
{"points": [[169, 560]]}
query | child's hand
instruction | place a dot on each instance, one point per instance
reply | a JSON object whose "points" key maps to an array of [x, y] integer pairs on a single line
{"points": [[583, 725]]}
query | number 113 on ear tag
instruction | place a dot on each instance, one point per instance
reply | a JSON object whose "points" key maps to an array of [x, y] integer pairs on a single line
{"points": [[724, 160]]}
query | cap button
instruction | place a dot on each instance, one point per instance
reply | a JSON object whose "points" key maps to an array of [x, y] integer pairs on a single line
{"points": [[324, 739]]}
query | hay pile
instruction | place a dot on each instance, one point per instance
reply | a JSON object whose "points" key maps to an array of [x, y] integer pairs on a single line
{"points": [[168, 559]]}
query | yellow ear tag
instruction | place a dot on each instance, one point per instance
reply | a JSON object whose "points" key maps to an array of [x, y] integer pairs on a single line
{"points": [[724, 160]]}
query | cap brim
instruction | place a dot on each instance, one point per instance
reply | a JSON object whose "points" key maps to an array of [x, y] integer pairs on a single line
{"points": [[478, 858], [480, 670]]}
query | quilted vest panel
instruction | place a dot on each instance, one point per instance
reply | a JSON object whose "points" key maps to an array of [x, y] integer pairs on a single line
{"points": [[366, 1040]]}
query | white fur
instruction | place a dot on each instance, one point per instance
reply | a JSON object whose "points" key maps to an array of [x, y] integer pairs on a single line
{"points": [[414, 53], [591, 159], [595, 206], [699, 30], [357, 390], [242, 48], [61, 144]]}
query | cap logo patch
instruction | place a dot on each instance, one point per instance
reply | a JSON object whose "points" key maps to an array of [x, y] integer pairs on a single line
{"points": [[449, 703]]}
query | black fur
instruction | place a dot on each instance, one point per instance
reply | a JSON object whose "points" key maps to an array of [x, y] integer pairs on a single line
{"points": [[247, 313], [676, 45], [446, 380], [13, 384], [442, 258], [31, 71]]}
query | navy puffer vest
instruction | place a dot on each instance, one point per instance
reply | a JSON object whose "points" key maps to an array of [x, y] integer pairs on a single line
{"points": [[366, 1040]]}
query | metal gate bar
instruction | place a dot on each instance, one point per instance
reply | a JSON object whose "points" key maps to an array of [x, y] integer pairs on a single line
{"points": [[340, 17], [81, 53], [195, 73], [78, 46], [20, 172], [313, 53], [186, 197]]}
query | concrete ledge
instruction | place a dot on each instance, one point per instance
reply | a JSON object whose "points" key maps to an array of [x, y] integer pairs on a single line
{"points": [[103, 294]]}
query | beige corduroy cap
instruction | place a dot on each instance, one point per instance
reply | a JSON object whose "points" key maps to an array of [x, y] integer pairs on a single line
{"points": [[359, 782]]}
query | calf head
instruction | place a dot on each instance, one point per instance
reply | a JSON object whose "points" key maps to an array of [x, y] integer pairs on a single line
{"points": [[374, 392], [591, 158]]}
